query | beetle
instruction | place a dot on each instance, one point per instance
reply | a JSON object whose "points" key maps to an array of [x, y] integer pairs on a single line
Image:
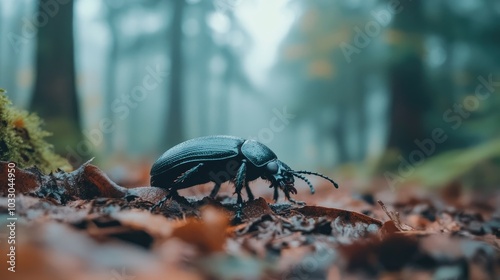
{"points": [[222, 158]]}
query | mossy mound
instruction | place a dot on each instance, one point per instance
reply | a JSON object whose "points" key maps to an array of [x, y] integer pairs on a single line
{"points": [[22, 140]]}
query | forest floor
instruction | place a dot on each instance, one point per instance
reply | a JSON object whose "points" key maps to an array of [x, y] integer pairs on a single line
{"points": [[81, 225]]}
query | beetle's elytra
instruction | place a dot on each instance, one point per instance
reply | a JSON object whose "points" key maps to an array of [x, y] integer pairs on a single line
{"points": [[224, 158]]}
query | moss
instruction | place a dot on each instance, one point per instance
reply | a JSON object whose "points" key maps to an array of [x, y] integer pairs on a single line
{"points": [[22, 140]]}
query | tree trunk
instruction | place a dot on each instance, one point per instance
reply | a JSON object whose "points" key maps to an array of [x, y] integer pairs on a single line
{"points": [[174, 128], [407, 82], [55, 98]]}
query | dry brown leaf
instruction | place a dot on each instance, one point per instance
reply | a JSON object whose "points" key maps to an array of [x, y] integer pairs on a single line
{"points": [[156, 225], [348, 216], [207, 234]]}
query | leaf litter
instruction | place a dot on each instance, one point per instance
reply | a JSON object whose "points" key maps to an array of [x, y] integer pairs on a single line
{"points": [[82, 225]]}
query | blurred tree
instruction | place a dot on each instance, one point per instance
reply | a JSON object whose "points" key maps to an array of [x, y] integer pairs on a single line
{"points": [[213, 65], [199, 63], [409, 92], [233, 75], [175, 122], [17, 51], [462, 56], [55, 98], [331, 83], [113, 17]]}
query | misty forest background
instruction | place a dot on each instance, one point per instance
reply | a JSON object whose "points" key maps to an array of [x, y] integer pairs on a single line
{"points": [[346, 86]]}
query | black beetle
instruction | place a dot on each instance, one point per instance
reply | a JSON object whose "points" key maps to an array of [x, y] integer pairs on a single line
{"points": [[224, 158]]}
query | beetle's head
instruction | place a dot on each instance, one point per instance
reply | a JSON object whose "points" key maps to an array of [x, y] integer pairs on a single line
{"points": [[279, 174]]}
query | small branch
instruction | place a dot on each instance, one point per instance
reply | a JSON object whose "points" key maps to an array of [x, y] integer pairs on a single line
{"points": [[394, 216]]}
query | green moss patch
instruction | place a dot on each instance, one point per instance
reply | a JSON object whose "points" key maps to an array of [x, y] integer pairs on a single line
{"points": [[22, 140]]}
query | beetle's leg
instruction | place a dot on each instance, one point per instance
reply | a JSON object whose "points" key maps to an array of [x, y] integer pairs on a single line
{"points": [[296, 201], [186, 175], [287, 195], [173, 188], [249, 191], [159, 204], [215, 190], [171, 194], [276, 194], [241, 180]]}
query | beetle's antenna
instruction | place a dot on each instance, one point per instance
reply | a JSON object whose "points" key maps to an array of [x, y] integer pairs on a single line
{"points": [[319, 175], [307, 181]]}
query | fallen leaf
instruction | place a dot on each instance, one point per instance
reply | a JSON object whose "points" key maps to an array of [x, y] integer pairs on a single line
{"points": [[207, 234]]}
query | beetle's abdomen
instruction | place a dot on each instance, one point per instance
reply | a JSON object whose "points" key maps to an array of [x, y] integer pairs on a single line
{"points": [[210, 148]]}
